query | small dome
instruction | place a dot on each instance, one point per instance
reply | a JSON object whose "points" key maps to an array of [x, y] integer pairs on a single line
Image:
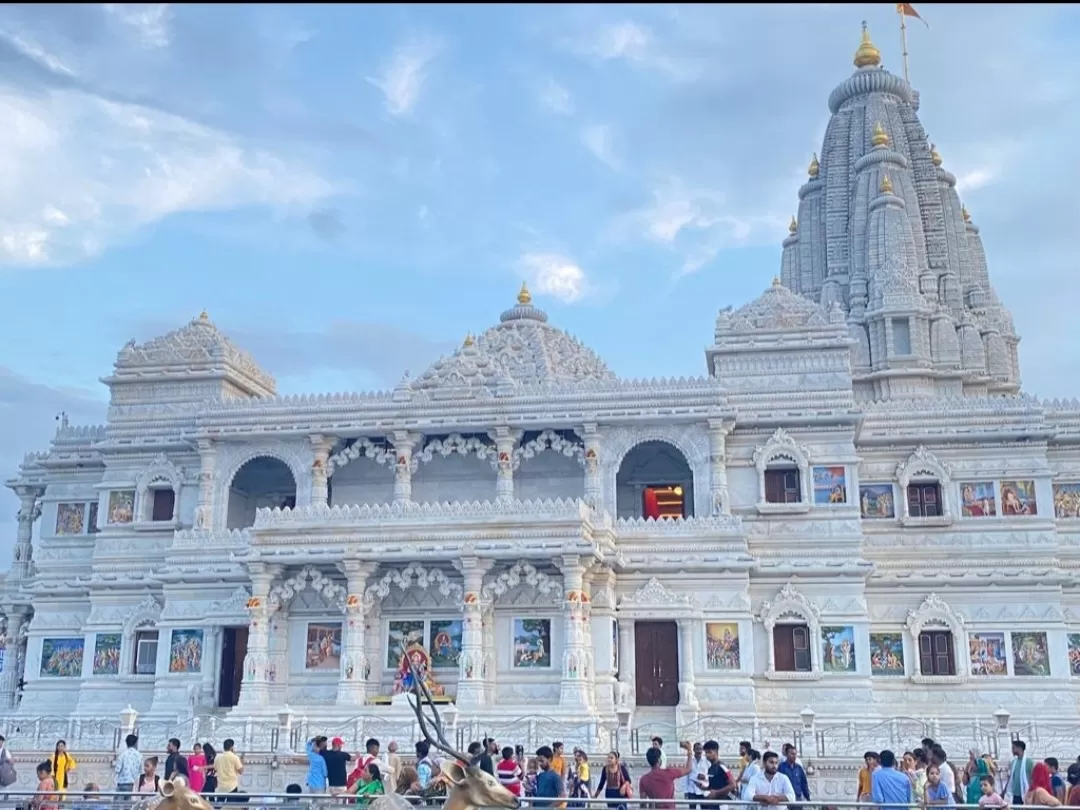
{"points": [[523, 349], [777, 308]]}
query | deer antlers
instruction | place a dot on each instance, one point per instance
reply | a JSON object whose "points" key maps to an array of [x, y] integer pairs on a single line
{"points": [[422, 693]]}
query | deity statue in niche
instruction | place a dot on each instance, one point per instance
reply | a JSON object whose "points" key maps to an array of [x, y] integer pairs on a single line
{"points": [[421, 662]]}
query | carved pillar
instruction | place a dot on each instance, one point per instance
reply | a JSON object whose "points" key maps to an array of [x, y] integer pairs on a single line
{"points": [[320, 491], [29, 511], [13, 661], [211, 662], [204, 512], [687, 688], [602, 640], [255, 688], [355, 663], [627, 692], [718, 483], [505, 441], [574, 688], [589, 657], [490, 670], [404, 444], [590, 434], [471, 669]]}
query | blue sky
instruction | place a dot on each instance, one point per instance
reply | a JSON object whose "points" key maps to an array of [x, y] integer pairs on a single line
{"points": [[348, 190]]}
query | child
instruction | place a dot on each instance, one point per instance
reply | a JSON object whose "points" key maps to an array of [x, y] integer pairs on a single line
{"points": [[990, 797], [45, 798], [579, 779], [149, 781], [509, 771], [937, 794]]}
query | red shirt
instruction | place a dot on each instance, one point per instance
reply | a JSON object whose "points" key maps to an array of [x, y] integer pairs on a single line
{"points": [[509, 773], [659, 783]]}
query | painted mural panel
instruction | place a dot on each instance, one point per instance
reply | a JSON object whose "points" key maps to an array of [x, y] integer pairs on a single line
{"points": [[830, 485], [62, 657], [107, 654], [887, 655], [722, 645], [978, 499], [987, 652], [1031, 654], [186, 650], [70, 517], [1074, 654], [532, 643], [445, 642], [121, 506], [876, 501], [838, 648], [1018, 498], [400, 634], [323, 648], [1067, 501]]}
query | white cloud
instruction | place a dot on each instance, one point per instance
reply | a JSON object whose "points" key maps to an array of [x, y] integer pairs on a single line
{"points": [[402, 77], [636, 43], [555, 275], [149, 21], [626, 40], [556, 98], [78, 174], [27, 47], [599, 140]]}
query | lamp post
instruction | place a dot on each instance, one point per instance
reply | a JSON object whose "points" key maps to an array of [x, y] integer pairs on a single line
{"points": [[1001, 719], [285, 719]]}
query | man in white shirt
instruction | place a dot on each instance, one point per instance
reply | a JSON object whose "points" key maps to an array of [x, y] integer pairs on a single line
{"points": [[688, 785], [770, 786]]}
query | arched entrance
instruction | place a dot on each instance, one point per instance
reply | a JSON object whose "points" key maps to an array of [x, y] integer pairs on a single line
{"points": [[263, 482], [654, 481]]}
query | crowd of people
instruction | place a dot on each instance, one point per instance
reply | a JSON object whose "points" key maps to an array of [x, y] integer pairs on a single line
{"points": [[552, 778]]}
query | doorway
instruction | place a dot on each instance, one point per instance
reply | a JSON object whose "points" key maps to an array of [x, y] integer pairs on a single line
{"points": [[656, 651], [234, 641]]}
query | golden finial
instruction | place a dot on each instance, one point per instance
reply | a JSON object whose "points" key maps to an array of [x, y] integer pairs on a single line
{"points": [[880, 136], [868, 55], [815, 167], [468, 340], [524, 297], [934, 155], [794, 226], [965, 214], [776, 282], [203, 316], [886, 185]]}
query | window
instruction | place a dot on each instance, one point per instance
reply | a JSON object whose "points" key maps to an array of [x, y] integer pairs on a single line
{"points": [[936, 653], [164, 501], [924, 500], [791, 647], [146, 643], [666, 501], [782, 485], [901, 336]]}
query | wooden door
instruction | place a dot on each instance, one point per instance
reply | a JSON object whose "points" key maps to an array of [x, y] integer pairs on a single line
{"points": [[656, 651], [233, 651]]}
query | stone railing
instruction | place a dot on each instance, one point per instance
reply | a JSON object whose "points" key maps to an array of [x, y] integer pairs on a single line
{"points": [[714, 526], [550, 510]]}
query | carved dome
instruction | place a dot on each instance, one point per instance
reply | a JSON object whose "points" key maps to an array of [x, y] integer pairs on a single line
{"points": [[777, 308], [523, 349]]}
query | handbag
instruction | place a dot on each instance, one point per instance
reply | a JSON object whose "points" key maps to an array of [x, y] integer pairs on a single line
{"points": [[8, 776]]}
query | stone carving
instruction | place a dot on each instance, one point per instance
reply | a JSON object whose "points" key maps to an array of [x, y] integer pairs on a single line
{"points": [[308, 577], [454, 443], [380, 454], [934, 611], [789, 602], [781, 445], [778, 308], [655, 594], [548, 440], [233, 605], [160, 469], [408, 577], [521, 572], [320, 513], [146, 612], [922, 463], [710, 526]]}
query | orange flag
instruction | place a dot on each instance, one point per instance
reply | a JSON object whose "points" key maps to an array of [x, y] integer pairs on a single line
{"points": [[908, 10]]}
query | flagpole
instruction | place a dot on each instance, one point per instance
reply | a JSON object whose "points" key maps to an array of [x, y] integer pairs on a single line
{"points": [[903, 41]]}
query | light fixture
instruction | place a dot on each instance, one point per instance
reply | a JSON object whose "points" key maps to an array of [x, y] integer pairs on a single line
{"points": [[808, 715], [1002, 717], [677, 491]]}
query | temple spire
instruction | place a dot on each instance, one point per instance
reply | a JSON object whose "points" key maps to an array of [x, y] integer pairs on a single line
{"points": [[868, 55]]}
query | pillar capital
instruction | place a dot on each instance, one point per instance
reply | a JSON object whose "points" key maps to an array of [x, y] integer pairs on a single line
{"points": [[721, 426]]}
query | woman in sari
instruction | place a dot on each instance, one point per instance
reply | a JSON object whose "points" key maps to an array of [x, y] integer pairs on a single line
{"points": [[977, 769], [63, 766], [369, 785]]}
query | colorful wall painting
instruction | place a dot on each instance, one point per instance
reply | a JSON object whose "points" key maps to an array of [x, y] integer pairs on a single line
{"points": [[1066, 501], [322, 650], [887, 655], [62, 657], [70, 517], [107, 654], [987, 652], [121, 506], [186, 650], [1031, 654], [532, 643], [838, 649], [402, 633], [722, 646], [445, 642], [1018, 498], [876, 501], [978, 499], [830, 485], [1074, 654]]}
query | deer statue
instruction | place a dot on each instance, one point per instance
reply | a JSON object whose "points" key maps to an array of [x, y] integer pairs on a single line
{"points": [[469, 787], [176, 795]]}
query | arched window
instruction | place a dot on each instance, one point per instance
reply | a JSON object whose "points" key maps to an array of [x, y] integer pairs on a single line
{"points": [[157, 492], [139, 651], [938, 640], [783, 467], [924, 484], [793, 625]]}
